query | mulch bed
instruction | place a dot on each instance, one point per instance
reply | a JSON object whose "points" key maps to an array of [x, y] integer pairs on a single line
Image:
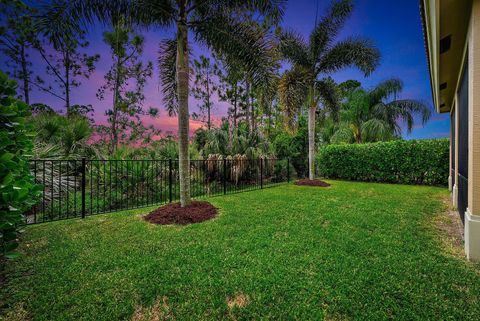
{"points": [[312, 182], [196, 212]]}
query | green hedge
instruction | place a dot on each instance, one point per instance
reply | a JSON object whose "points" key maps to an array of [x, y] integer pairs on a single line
{"points": [[18, 192], [401, 161]]}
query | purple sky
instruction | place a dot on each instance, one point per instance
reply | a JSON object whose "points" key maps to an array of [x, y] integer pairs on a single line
{"points": [[395, 29]]}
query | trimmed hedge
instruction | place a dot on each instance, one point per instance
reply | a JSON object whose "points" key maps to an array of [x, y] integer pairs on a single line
{"points": [[401, 161]]}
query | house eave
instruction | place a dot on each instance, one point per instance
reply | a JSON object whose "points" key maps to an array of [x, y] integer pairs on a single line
{"points": [[445, 67]]}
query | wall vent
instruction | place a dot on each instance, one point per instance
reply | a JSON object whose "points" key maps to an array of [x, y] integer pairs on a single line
{"points": [[445, 44]]}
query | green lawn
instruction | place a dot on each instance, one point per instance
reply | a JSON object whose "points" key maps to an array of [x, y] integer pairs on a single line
{"points": [[351, 251]]}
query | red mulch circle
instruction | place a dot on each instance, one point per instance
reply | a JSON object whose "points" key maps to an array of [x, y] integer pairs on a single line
{"points": [[196, 212], [312, 182]]}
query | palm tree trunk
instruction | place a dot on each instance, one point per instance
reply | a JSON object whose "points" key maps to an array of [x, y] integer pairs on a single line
{"points": [[183, 114], [311, 141]]}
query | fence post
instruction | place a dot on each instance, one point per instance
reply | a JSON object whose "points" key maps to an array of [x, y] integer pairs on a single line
{"points": [[84, 183], [261, 173], [224, 176], [288, 170], [170, 179]]}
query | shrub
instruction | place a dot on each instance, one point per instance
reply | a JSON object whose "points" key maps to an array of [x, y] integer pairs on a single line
{"points": [[400, 161], [17, 188]]}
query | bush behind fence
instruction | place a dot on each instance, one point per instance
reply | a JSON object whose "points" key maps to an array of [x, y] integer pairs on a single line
{"points": [[401, 161], [78, 188]]}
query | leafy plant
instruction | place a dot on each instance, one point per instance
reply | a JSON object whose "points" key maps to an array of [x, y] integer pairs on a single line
{"points": [[305, 84], [18, 191], [399, 161], [375, 115], [62, 137]]}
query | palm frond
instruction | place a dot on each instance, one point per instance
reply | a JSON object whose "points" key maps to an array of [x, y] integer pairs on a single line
{"points": [[294, 48], [292, 92], [141, 12], [406, 109], [375, 130], [328, 28], [330, 96], [343, 135], [358, 52], [167, 57], [57, 23], [273, 10], [386, 89], [240, 42]]}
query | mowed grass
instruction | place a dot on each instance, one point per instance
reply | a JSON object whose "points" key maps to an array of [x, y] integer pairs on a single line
{"points": [[351, 251]]}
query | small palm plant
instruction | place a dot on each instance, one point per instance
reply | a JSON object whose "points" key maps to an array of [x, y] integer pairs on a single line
{"points": [[372, 115], [305, 83]]}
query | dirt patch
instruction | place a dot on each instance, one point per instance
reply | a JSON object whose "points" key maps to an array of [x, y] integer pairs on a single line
{"points": [[196, 212], [160, 310], [451, 227], [238, 301], [312, 182]]}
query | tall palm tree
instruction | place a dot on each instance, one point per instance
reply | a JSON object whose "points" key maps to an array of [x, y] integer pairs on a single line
{"points": [[218, 24], [372, 115], [312, 60]]}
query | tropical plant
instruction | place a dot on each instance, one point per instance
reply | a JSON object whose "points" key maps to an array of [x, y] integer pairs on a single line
{"points": [[302, 84], [18, 192], [253, 144], [377, 115], [63, 137], [211, 22]]}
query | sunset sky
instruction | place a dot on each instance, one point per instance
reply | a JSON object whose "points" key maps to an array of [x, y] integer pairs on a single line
{"points": [[395, 29]]}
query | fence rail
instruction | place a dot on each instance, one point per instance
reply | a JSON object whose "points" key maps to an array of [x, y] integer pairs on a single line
{"points": [[79, 188]]}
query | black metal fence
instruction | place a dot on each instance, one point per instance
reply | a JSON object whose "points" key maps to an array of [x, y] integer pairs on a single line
{"points": [[78, 188]]}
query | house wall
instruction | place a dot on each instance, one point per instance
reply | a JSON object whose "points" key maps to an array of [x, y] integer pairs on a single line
{"points": [[461, 21], [472, 215], [469, 141]]}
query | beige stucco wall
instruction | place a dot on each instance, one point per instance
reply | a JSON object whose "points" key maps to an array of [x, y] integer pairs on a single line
{"points": [[472, 215], [474, 111]]}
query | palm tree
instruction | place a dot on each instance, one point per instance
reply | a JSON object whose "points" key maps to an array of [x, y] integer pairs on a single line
{"points": [[218, 24], [369, 116], [320, 56], [63, 137]]}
